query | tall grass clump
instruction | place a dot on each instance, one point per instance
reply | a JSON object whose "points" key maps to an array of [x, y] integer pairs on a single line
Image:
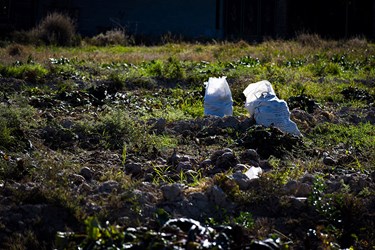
{"points": [[56, 29]]}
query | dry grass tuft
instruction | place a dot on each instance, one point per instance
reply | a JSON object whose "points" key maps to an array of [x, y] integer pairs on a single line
{"points": [[111, 37], [15, 49], [357, 43], [313, 40]]}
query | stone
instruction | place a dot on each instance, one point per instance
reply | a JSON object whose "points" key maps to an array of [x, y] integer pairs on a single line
{"points": [[264, 164], [199, 199], [370, 117], [185, 165], [246, 124], [158, 126], [172, 192], [308, 178], [241, 167], [84, 188], [161, 161], [329, 161], [219, 197], [108, 186], [197, 205], [302, 115], [298, 203], [373, 176], [188, 158], [241, 179], [291, 187], [87, 173], [133, 168], [304, 190], [216, 155], [174, 158], [144, 197], [227, 122], [249, 156], [77, 179], [333, 186], [205, 164], [226, 161], [67, 124]]}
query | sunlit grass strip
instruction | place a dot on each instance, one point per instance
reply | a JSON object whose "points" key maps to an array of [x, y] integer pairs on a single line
{"points": [[361, 136]]}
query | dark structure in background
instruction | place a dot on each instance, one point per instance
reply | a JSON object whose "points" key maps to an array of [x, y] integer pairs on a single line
{"points": [[19, 14], [254, 19], [333, 18], [194, 19]]}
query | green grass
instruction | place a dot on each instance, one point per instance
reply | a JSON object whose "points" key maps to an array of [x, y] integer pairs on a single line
{"points": [[29, 72], [360, 136], [357, 140], [15, 120]]}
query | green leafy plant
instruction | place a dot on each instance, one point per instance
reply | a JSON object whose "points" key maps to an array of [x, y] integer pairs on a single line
{"points": [[244, 219]]}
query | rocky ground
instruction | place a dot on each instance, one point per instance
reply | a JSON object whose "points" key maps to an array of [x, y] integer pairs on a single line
{"points": [[199, 194]]}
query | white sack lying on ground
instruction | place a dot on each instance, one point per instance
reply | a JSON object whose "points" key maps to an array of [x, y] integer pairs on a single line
{"points": [[267, 109], [218, 97]]}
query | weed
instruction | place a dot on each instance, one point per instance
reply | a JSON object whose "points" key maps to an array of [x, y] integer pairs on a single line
{"points": [[118, 128], [174, 69], [282, 172], [123, 155], [229, 186], [324, 204], [161, 175], [162, 142], [195, 178], [155, 68], [193, 108], [117, 80]]}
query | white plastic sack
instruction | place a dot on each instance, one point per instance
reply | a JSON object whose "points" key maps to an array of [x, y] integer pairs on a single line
{"points": [[218, 97], [268, 110], [254, 172], [255, 91]]}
